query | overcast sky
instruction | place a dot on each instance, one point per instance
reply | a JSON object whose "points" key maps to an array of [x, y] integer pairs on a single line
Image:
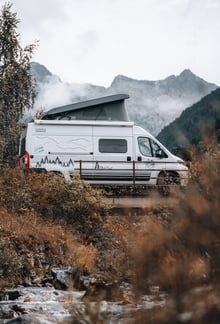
{"points": [[92, 41]]}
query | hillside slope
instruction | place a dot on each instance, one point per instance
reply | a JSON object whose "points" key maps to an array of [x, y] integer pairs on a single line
{"points": [[197, 122]]}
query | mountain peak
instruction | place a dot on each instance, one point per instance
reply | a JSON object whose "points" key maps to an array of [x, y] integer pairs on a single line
{"points": [[120, 77], [40, 72], [187, 72], [188, 77]]}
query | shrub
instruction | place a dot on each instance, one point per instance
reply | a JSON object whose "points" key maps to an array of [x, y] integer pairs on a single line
{"points": [[44, 212], [49, 194], [184, 253]]}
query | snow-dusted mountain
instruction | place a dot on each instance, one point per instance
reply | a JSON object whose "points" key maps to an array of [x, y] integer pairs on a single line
{"points": [[152, 104]]}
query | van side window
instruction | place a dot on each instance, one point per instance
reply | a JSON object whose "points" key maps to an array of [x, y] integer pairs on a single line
{"points": [[112, 145], [144, 146]]}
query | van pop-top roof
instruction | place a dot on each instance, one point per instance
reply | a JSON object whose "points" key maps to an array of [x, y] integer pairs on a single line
{"points": [[110, 108]]}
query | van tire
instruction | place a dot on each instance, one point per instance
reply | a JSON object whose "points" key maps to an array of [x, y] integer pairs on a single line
{"points": [[165, 180]]}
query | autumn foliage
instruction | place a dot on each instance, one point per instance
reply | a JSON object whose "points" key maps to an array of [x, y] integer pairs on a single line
{"points": [[175, 248], [180, 251]]}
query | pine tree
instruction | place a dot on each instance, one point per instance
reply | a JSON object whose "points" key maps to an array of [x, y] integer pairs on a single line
{"points": [[17, 87]]}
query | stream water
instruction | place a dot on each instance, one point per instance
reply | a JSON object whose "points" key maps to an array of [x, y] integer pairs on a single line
{"points": [[47, 305]]}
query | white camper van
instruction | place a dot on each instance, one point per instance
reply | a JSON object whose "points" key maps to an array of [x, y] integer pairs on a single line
{"points": [[104, 152]]}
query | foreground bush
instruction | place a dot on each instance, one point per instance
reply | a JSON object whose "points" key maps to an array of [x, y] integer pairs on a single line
{"points": [[47, 191], [30, 245], [44, 212], [180, 251], [68, 220], [51, 196]]}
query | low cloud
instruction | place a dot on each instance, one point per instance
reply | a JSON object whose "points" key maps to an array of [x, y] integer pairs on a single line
{"points": [[56, 93]]}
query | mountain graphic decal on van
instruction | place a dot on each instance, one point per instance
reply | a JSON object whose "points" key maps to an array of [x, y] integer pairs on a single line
{"points": [[55, 161]]}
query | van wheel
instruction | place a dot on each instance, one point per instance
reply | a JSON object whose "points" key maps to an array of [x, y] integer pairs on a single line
{"points": [[166, 180]]}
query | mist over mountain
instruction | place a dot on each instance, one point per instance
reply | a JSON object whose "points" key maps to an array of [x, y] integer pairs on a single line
{"points": [[199, 122], [53, 92], [152, 104]]}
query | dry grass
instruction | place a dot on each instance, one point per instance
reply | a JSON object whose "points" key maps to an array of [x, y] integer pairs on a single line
{"points": [[26, 238], [42, 216], [31, 228]]}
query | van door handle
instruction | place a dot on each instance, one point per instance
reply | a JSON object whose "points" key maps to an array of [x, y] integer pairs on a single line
{"points": [[128, 158], [139, 158]]}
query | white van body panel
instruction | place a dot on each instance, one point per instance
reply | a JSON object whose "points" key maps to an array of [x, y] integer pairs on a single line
{"points": [[110, 152]]}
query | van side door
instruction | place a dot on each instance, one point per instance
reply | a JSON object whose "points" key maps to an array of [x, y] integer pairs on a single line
{"points": [[150, 158]]}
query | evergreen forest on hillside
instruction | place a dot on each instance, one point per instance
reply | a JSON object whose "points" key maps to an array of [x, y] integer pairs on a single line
{"points": [[196, 123]]}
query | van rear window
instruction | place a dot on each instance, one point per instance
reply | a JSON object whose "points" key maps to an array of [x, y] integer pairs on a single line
{"points": [[112, 145]]}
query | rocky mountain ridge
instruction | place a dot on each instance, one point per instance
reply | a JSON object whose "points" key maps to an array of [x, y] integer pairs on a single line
{"points": [[152, 104]]}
